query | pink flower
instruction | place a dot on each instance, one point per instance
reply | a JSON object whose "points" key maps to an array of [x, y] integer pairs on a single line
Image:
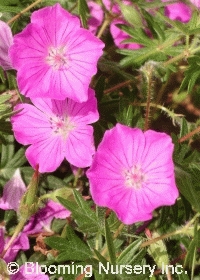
{"points": [[31, 271], [96, 16], [6, 40], [119, 35], [178, 11], [196, 3], [56, 130], [133, 173], [13, 192], [43, 218], [55, 57], [20, 243]]}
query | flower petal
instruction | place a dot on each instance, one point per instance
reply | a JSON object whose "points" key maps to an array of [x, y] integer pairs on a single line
{"points": [[6, 40], [30, 125], [13, 192], [48, 153], [80, 147]]}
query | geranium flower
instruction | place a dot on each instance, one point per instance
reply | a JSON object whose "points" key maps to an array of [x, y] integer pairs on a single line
{"points": [[56, 130], [31, 271], [20, 243], [55, 57], [13, 192], [6, 40], [133, 173], [96, 16], [118, 34], [178, 11], [196, 3]]}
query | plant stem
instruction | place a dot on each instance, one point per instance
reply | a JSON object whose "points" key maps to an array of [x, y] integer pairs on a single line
{"points": [[118, 86], [106, 22], [23, 11], [189, 135], [170, 113], [183, 230], [147, 115]]}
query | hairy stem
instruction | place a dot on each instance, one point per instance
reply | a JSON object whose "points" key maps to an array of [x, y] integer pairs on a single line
{"points": [[183, 230], [189, 135]]}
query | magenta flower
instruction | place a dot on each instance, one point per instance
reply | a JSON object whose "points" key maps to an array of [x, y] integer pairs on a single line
{"points": [[196, 3], [13, 192], [55, 57], [178, 11], [41, 221], [6, 40], [133, 173], [31, 271], [20, 243], [96, 16], [56, 130], [118, 34]]}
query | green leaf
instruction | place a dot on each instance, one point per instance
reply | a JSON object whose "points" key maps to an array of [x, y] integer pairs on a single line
{"points": [[70, 248], [191, 257], [128, 255], [192, 74], [18, 159], [183, 275], [10, 161], [141, 55], [7, 151], [184, 128], [110, 244], [10, 9], [138, 35], [177, 25], [10, 2], [158, 251], [125, 115], [156, 27], [83, 11], [4, 98], [84, 216], [187, 182], [100, 257]]}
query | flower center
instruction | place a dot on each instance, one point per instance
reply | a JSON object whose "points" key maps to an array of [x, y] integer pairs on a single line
{"points": [[56, 57], [61, 126], [134, 177]]}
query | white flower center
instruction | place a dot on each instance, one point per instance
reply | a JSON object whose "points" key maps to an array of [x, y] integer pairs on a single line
{"points": [[62, 125], [56, 57], [134, 177]]}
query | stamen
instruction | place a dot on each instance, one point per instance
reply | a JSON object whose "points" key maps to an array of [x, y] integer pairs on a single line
{"points": [[56, 57], [61, 125], [134, 177]]}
